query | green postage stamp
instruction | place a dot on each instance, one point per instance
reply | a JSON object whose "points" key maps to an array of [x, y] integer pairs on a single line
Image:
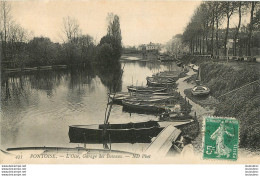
{"points": [[221, 136]]}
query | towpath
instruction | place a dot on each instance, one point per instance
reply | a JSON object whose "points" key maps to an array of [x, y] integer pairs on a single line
{"points": [[200, 111]]}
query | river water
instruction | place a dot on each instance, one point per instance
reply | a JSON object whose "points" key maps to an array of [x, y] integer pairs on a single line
{"points": [[38, 107]]}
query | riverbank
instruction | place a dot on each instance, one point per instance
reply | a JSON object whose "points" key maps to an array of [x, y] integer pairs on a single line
{"points": [[236, 88], [27, 69]]}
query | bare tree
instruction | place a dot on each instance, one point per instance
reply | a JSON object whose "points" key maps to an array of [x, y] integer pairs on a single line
{"points": [[5, 20], [71, 29]]}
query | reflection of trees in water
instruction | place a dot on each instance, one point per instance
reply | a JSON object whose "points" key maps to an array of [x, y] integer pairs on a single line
{"points": [[142, 64], [157, 66], [16, 97], [154, 66], [46, 80], [79, 79], [110, 76], [14, 89], [18, 87], [171, 66]]}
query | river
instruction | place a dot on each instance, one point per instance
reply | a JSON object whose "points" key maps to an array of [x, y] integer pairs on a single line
{"points": [[38, 107]]}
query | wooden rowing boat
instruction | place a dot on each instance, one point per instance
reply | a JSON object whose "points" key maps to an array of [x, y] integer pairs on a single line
{"points": [[115, 133], [168, 74], [118, 97], [160, 81], [142, 107], [141, 89], [141, 132], [200, 90]]}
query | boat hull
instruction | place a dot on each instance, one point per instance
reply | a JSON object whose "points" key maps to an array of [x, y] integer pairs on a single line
{"points": [[146, 89], [205, 91], [94, 136], [141, 108], [162, 83]]}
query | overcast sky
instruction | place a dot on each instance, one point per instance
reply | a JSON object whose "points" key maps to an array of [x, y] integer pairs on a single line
{"points": [[141, 21]]}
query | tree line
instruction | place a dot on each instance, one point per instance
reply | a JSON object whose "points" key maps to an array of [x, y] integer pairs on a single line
{"points": [[20, 49], [203, 34]]}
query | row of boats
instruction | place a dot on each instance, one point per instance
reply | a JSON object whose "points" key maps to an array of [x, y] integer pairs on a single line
{"points": [[158, 97], [147, 103]]}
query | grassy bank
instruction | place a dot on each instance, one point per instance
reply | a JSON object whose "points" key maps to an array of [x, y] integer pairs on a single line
{"points": [[243, 104]]}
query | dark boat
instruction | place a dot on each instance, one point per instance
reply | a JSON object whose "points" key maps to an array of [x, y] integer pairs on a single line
{"points": [[141, 89], [160, 81], [115, 133], [151, 107], [142, 107], [140, 96], [141, 132]]}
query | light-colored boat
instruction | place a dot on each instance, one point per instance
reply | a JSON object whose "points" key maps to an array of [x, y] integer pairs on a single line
{"points": [[200, 90]]}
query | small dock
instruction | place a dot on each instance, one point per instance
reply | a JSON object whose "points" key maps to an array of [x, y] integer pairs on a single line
{"points": [[163, 142]]}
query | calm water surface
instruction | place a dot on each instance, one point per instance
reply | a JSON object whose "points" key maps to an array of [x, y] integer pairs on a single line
{"points": [[37, 108]]}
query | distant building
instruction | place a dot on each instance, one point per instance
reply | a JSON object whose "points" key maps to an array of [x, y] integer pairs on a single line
{"points": [[149, 47]]}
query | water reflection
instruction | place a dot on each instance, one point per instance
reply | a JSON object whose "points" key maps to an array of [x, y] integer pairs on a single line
{"points": [[38, 107], [111, 77]]}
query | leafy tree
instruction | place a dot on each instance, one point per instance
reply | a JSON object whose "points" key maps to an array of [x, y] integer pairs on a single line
{"points": [[228, 9], [112, 41], [42, 51], [251, 24]]}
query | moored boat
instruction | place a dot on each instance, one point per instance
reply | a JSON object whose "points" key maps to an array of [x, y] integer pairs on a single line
{"points": [[45, 67], [146, 89], [118, 97], [160, 81], [115, 133], [200, 90], [142, 107], [140, 132], [168, 74]]}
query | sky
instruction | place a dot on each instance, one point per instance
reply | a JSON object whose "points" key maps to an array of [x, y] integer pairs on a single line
{"points": [[141, 21]]}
